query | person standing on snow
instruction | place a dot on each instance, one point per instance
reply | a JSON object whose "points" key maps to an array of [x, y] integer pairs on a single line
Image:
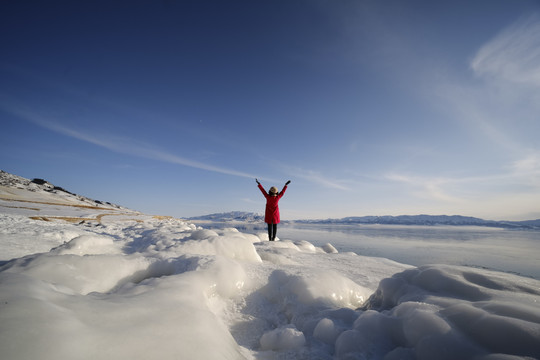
{"points": [[271, 214]]}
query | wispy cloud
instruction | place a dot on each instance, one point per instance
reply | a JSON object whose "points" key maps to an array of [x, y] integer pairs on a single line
{"points": [[485, 196], [527, 169], [503, 102], [425, 187], [120, 144], [518, 178], [315, 177], [513, 55]]}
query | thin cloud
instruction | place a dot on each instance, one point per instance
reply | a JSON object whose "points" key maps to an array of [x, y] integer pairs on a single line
{"points": [[507, 95], [512, 55], [315, 177], [528, 169], [469, 195], [431, 188], [122, 145], [513, 180]]}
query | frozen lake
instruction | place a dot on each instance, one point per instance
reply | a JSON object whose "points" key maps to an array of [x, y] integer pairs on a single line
{"points": [[515, 251]]}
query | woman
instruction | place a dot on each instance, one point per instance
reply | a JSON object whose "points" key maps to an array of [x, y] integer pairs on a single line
{"points": [[271, 215]]}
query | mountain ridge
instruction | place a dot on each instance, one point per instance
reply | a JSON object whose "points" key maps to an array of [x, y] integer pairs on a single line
{"points": [[243, 216], [423, 219]]}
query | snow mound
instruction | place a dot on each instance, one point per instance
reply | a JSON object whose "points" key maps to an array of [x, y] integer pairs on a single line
{"points": [[329, 248], [165, 288], [283, 338], [88, 245], [326, 331], [444, 312]]}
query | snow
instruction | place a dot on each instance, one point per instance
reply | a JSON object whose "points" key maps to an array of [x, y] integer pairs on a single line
{"points": [[283, 338], [133, 286]]}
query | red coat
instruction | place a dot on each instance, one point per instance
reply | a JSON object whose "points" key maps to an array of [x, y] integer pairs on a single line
{"points": [[271, 215]]}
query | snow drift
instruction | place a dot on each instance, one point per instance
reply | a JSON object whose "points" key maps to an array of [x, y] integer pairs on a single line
{"points": [[168, 289]]}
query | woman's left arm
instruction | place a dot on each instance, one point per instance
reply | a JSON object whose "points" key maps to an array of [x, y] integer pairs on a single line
{"points": [[284, 188]]}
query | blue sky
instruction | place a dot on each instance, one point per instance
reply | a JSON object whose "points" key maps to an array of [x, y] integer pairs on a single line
{"points": [[368, 107]]}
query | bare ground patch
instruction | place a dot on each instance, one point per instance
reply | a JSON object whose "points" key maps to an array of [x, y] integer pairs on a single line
{"points": [[78, 220], [20, 207], [59, 204], [65, 218]]}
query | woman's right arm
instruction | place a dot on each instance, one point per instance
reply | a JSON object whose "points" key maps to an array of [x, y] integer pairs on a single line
{"points": [[261, 188]]}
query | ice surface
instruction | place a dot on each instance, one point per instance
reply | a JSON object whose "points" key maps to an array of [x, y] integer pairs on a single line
{"points": [[145, 287]]}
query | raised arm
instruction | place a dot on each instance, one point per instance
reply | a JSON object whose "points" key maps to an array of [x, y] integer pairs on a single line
{"points": [[284, 188], [261, 188]]}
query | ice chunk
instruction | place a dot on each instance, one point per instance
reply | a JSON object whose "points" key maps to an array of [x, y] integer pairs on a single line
{"points": [[373, 334], [81, 274], [203, 242], [89, 245], [305, 246], [449, 312], [159, 318], [322, 288], [226, 277], [420, 321], [326, 331], [329, 249], [203, 234], [283, 338]]}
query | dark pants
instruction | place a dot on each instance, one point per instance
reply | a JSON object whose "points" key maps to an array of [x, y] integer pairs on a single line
{"points": [[272, 230]]}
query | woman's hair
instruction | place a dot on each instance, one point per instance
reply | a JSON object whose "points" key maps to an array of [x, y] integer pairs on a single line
{"points": [[273, 191]]}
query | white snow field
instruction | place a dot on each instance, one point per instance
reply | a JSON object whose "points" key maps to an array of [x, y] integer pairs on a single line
{"points": [[131, 286]]}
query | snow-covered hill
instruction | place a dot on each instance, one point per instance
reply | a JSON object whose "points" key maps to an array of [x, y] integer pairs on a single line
{"points": [[16, 188], [39, 199]]}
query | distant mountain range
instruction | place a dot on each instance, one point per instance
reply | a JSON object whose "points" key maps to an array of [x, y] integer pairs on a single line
{"points": [[454, 220], [241, 216]]}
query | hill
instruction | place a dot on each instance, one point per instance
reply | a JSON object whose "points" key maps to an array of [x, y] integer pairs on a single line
{"points": [[41, 200]]}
